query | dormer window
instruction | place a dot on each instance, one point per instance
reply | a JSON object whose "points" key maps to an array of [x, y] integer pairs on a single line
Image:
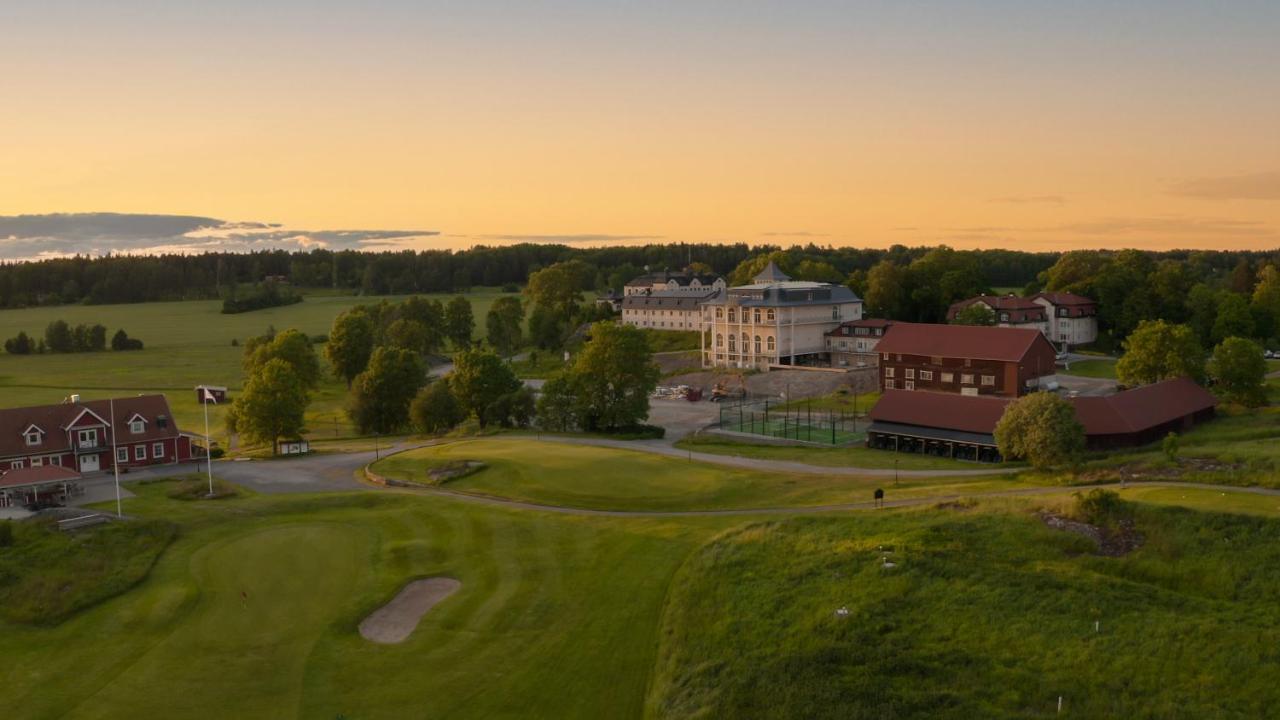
{"points": [[33, 437], [137, 424]]}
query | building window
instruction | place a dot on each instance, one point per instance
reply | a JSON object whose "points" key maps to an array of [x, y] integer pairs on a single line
{"points": [[33, 437], [719, 340], [757, 344], [769, 343], [122, 455], [966, 379], [948, 377], [1062, 312], [157, 450], [835, 312], [719, 313], [988, 379], [88, 438], [37, 461], [137, 427], [756, 315], [885, 356], [768, 314], [732, 343], [56, 460], [1004, 317], [140, 452], [888, 372], [910, 374], [888, 384], [909, 385], [733, 315], [16, 465], [926, 374]]}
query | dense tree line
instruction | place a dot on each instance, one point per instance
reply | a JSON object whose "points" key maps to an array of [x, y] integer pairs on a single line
{"points": [[61, 337]]}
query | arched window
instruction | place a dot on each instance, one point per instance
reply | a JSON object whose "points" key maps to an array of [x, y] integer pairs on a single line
{"points": [[733, 346], [757, 344], [769, 314], [719, 313], [770, 343], [719, 340]]}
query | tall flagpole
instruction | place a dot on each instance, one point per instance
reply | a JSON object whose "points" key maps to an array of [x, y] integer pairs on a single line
{"points": [[208, 439], [115, 457]]}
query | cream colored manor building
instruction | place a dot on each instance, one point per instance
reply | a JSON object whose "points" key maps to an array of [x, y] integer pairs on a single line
{"points": [[773, 321], [667, 300]]}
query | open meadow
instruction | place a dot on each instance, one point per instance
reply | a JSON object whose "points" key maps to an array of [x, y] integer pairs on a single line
{"points": [[186, 344]]}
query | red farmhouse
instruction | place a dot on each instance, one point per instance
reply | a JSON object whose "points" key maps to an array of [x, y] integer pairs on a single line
{"points": [[79, 435]]}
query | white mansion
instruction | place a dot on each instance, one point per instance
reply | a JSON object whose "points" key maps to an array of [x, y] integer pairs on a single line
{"points": [[773, 321]]}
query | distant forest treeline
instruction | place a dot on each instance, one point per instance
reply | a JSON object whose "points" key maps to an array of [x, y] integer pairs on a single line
{"points": [[134, 278]]}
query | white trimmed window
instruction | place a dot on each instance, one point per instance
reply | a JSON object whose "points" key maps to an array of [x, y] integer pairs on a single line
{"points": [[157, 450], [122, 454], [926, 374], [909, 385], [966, 379], [16, 465], [910, 373], [37, 461], [988, 379], [137, 427], [888, 372], [888, 384], [139, 452], [88, 438], [769, 343], [33, 437], [948, 377], [769, 314]]}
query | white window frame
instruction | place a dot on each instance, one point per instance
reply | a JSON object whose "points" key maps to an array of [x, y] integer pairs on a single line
{"points": [[888, 371], [91, 433], [122, 451], [30, 435], [910, 373], [37, 461], [137, 427], [966, 378], [948, 377], [17, 464], [139, 452], [888, 384], [157, 450], [909, 385], [989, 380], [926, 374]]}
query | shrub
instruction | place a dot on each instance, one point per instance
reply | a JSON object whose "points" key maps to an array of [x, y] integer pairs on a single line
{"points": [[6, 533], [1101, 507]]}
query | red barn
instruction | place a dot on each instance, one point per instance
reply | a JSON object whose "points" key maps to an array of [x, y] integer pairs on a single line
{"points": [[80, 435], [965, 359]]}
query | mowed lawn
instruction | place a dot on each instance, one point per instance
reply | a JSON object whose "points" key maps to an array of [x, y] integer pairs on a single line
{"points": [[1102, 369], [563, 474], [253, 613], [856, 455], [186, 344]]}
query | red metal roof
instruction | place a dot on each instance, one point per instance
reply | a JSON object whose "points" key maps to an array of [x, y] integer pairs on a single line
{"points": [[1019, 309], [1064, 298], [1127, 412], [978, 342], [947, 411], [55, 419], [37, 475], [864, 322]]}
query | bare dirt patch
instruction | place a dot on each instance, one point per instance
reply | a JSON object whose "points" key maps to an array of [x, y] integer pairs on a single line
{"points": [[395, 622], [1112, 542], [775, 383]]}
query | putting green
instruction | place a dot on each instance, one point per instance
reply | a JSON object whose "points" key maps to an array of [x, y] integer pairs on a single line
{"points": [[264, 600], [557, 473]]}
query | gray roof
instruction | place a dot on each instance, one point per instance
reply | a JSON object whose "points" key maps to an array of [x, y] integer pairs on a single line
{"points": [[680, 278], [789, 294], [771, 273], [664, 301]]}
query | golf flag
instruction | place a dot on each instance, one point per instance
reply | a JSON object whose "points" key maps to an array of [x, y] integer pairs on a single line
{"points": [[208, 396]]}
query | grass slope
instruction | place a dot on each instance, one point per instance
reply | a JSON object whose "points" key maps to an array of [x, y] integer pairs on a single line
{"points": [[854, 456], [614, 479], [988, 614]]}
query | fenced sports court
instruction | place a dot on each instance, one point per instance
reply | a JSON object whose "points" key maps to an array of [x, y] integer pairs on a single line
{"points": [[770, 418]]}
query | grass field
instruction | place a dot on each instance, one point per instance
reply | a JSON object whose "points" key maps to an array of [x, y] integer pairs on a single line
{"points": [[1092, 368], [187, 343], [855, 456], [612, 479], [987, 614], [555, 617]]}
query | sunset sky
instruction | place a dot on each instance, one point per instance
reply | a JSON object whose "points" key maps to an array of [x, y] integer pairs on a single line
{"points": [[1037, 125]]}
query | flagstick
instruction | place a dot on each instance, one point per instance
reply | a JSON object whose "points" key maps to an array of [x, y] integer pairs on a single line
{"points": [[208, 439], [115, 457]]}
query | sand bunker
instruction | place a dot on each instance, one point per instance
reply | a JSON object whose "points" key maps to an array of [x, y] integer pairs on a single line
{"points": [[395, 621]]}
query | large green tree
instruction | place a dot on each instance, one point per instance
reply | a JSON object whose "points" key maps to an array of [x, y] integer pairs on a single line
{"points": [[290, 346], [752, 266], [975, 314], [1234, 318], [613, 377], [350, 344], [408, 335], [1042, 429], [271, 405], [503, 324], [380, 396], [459, 322], [1239, 371], [435, 410], [556, 290], [479, 378], [887, 291], [1157, 351], [428, 313]]}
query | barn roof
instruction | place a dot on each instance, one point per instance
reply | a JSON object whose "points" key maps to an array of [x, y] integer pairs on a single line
{"points": [[37, 475], [962, 341], [947, 411]]}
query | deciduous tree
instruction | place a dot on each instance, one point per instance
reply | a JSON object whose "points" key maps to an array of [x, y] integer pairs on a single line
{"points": [[435, 410], [350, 345], [271, 405], [459, 323], [613, 377], [380, 396], [975, 314], [503, 323], [1042, 429], [1157, 351], [1239, 371], [479, 378]]}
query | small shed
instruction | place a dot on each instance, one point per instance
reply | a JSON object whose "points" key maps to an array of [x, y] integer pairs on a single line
{"points": [[219, 393], [296, 446]]}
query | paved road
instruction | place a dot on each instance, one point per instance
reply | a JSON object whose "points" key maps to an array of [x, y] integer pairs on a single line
{"points": [[815, 509]]}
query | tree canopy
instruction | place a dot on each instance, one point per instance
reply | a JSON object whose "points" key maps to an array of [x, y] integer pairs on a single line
{"points": [[291, 346], [479, 378], [350, 344], [271, 405], [1239, 371], [380, 396], [503, 324], [1157, 351], [1042, 429]]}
